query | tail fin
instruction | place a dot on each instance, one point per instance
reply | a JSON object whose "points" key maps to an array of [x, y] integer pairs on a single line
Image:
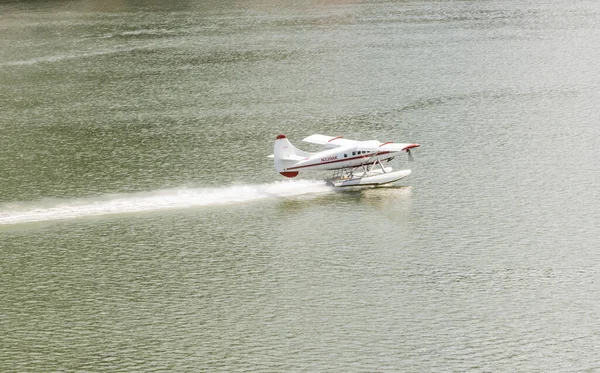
{"points": [[286, 155]]}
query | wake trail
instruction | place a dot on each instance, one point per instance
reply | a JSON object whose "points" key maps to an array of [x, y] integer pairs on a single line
{"points": [[71, 56], [168, 199]]}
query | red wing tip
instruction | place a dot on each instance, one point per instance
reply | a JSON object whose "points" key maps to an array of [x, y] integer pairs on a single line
{"points": [[282, 136], [290, 173]]}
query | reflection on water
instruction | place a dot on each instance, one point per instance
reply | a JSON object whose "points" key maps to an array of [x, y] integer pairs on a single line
{"points": [[144, 228]]}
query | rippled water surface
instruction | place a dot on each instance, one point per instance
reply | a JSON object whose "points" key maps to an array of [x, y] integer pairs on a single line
{"points": [[143, 228]]}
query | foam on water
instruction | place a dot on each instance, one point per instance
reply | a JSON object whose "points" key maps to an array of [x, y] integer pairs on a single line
{"points": [[70, 56], [169, 199]]}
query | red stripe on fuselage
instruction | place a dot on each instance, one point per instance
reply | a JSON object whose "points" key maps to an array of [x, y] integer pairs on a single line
{"points": [[341, 160]]}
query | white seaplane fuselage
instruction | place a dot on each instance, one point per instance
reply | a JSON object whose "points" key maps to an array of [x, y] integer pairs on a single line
{"points": [[360, 161]]}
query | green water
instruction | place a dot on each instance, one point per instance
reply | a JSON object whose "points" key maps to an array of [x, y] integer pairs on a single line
{"points": [[143, 228]]}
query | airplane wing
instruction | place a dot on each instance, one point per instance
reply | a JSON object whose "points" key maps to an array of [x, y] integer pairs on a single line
{"points": [[392, 147], [372, 145], [376, 146], [329, 141]]}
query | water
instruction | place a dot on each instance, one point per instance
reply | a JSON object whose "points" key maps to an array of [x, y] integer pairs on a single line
{"points": [[143, 228]]}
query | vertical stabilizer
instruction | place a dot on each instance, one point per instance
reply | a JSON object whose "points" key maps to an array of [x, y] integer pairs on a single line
{"points": [[287, 155]]}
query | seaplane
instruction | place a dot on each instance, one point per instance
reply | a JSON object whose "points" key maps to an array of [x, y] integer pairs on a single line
{"points": [[355, 163]]}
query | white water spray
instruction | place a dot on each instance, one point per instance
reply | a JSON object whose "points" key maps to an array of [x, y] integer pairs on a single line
{"points": [[169, 199]]}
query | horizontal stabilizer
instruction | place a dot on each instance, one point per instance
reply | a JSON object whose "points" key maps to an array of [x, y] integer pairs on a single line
{"points": [[293, 157]]}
